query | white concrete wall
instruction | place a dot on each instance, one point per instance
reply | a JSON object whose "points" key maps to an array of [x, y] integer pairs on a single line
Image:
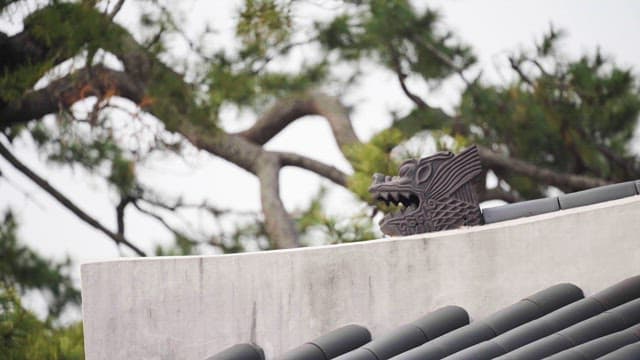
{"points": [[193, 307]]}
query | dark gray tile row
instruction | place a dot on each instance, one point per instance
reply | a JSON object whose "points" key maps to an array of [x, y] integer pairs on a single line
{"points": [[566, 201], [555, 322], [331, 345], [240, 352], [478, 333], [625, 353], [414, 334], [609, 322], [600, 346], [504, 345]]}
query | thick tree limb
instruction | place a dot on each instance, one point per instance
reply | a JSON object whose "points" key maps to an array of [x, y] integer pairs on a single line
{"points": [[285, 111], [21, 49], [330, 172], [277, 221], [492, 159], [118, 238], [62, 93]]}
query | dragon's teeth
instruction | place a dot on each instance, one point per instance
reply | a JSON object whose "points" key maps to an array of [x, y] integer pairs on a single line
{"points": [[394, 196]]}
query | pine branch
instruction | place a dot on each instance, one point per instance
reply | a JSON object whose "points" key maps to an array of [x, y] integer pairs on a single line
{"points": [[492, 160], [278, 222], [116, 9], [330, 172], [66, 202], [287, 110]]}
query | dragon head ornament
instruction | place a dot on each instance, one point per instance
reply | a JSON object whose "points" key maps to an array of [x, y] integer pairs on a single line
{"points": [[431, 194]]}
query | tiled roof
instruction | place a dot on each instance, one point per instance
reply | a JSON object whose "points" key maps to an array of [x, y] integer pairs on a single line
{"points": [[565, 201], [557, 323]]}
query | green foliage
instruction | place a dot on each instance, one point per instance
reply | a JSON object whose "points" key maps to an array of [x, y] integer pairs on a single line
{"points": [[243, 86], [243, 78], [67, 27], [420, 119], [176, 103], [70, 143], [571, 116], [90, 153], [262, 25], [25, 270], [547, 46], [250, 234], [22, 334], [25, 337], [396, 35], [181, 246], [313, 222], [123, 175], [246, 234], [16, 82], [64, 29], [372, 157]]}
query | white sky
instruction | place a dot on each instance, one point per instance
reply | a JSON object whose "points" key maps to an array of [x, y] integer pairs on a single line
{"points": [[494, 28]]}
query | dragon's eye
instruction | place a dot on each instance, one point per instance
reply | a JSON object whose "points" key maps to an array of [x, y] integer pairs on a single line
{"points": [[423, 173], [407, 168]]}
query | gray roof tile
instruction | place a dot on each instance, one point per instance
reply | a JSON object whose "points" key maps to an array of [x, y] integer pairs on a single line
{"points": [[556, 322], [628, 352], [600, 346], [596, 195], [520, 209]]}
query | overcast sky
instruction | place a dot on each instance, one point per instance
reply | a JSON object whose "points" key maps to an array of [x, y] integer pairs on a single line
{"points": [[495, 29]]}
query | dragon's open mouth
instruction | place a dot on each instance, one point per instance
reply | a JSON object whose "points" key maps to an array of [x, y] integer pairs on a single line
{"points": [[395, 203]]}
